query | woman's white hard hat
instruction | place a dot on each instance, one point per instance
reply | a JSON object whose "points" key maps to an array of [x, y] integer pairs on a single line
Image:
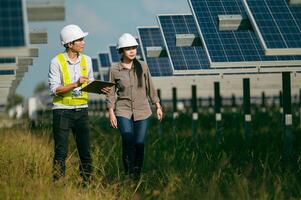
{"points": [[126, 40], [71, 33]]}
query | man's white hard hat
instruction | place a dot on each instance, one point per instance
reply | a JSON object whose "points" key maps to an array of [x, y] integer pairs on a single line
{"points": [[71, 33], [126, 40]]}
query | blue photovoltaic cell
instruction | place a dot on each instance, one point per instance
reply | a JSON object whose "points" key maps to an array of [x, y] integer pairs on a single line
{"points": [[229, 46], [151, 37], [12, 32], [104, 59], [182, 58], [95, 65], [7, 72], [278, 22], [7, 60], [115, 56]]}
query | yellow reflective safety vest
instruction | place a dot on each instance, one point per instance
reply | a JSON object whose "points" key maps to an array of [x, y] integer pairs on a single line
{"points": [[67, 98]]}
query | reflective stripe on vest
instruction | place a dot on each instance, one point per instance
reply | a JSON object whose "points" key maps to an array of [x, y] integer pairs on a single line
{"points": [[67, 99]]}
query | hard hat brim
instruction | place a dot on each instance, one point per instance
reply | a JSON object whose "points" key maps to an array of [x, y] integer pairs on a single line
{"points": [[84, 35], [117, 48]]}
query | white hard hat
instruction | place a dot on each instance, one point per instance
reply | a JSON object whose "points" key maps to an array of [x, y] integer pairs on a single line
{"points": [[71, 33], [126, 40]]}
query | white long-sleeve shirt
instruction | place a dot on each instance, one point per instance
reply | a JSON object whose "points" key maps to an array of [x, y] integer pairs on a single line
{"points": [[55, 78]]}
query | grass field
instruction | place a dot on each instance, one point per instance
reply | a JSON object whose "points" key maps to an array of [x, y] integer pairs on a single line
{"points": [[177, 165]]}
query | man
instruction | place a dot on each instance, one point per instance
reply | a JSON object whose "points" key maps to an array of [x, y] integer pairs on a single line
{"points": [[68, 73]]}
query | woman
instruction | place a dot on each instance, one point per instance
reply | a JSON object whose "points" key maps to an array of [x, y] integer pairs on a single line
{"points": [[129, 112]]}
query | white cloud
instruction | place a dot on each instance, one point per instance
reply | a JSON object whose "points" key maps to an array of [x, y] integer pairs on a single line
{"points": [[171, 6]]}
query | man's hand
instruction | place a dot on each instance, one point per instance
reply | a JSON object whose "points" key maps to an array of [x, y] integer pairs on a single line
{"points": [[82, 80], [105, 90]]}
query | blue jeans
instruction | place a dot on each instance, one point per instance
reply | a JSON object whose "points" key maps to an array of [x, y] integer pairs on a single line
{"points": [[133, 130], [133, 135]]}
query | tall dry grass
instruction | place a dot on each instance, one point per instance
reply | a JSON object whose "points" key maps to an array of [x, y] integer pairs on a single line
{"points": [[177, 166]]}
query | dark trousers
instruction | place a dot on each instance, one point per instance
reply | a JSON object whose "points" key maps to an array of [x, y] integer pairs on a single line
{"points": [[77, 121], [133, 134]]}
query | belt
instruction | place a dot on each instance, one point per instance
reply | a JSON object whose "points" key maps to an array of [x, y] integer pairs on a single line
{"points": [[79, 109]]}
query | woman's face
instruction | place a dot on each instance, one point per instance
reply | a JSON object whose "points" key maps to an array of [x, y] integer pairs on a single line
{"points": [[129, 52]]}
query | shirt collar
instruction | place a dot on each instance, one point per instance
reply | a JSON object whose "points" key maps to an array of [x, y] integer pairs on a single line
{"points": [[120, 66], [69, 61]]}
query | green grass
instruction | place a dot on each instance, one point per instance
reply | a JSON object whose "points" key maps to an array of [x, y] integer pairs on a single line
{"points": [[177, 166]]}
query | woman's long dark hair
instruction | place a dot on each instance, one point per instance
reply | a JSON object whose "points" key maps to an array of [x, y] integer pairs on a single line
{"points": [[138, 71]]}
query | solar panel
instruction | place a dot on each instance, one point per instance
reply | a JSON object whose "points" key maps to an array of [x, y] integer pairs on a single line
{"points": [[139, 51], [114, 55], [104, 59], [232, 48], [186, 57], [151, 37], [12, 32], [277, 24], [7, 60], [95, 65], [7, 72]]}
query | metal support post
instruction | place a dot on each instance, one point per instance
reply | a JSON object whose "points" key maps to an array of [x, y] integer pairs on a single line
{"points": [[247, 108], [218, 115], [195, 115], [287, 114]]}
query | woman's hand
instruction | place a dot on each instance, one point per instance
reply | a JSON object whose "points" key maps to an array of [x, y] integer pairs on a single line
{"points": [[159, 113], [113, 119], [105, 90]]}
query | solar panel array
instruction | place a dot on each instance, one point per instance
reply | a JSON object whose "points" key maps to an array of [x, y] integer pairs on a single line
{"points": [[230, 48], [12, 32], [151, 37], [182, 58], [279, 24], [228, 51]]}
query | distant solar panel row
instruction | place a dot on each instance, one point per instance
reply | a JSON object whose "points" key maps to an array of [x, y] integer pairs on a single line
{"points": [[12, 32], [151, 37]]}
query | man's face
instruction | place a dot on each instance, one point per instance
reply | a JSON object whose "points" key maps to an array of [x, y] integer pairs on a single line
{"points": [[77, 45]]}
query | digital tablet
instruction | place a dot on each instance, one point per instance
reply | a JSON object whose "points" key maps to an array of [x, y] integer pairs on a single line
{"points": [[96, 85]]}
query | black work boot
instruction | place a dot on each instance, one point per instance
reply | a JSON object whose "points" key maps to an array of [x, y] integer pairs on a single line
{"points": [[59, 169], [85, 172], [127, 155], [138, 163]]}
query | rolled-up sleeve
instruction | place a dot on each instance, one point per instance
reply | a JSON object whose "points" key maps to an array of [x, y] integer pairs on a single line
{"points": [[54, 76], [111, 96], [151, 90]]}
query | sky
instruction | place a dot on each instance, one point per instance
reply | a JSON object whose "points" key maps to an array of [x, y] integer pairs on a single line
{"points": [[105, 21]]}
